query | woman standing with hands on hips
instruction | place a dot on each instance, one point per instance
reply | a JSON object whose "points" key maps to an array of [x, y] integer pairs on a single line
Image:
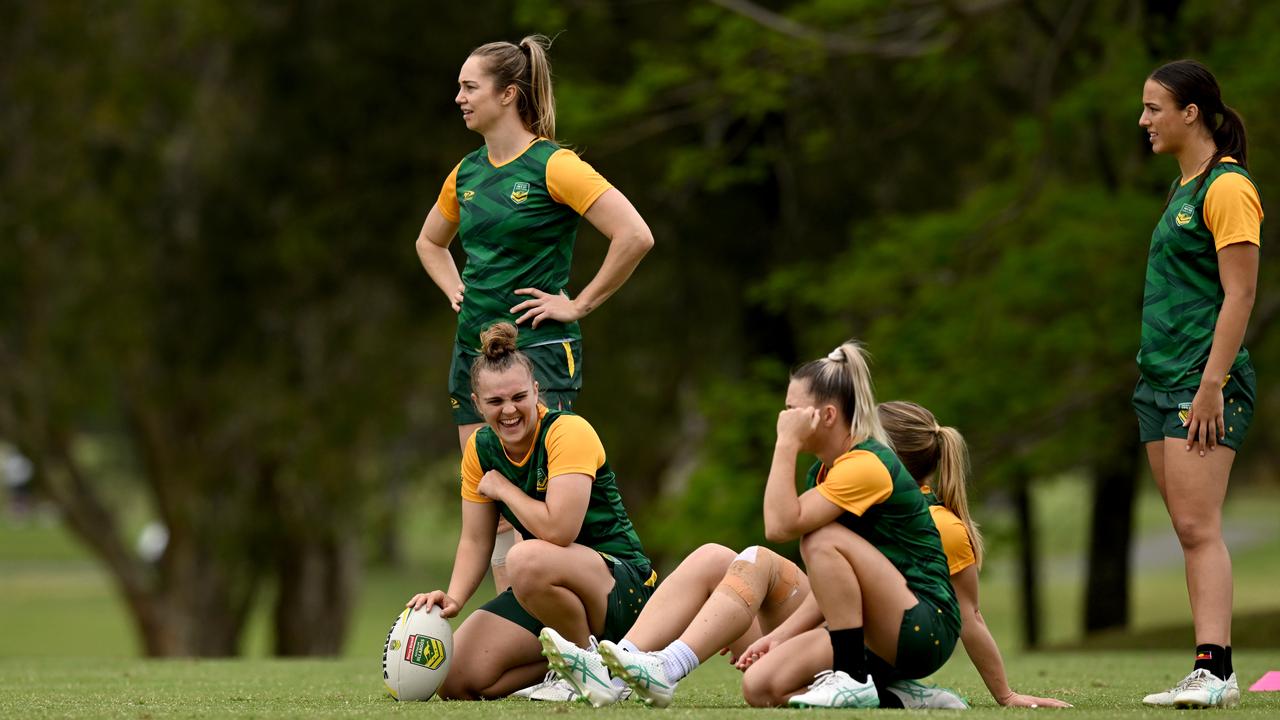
{"points": [[1194, 399], [515, 204]]}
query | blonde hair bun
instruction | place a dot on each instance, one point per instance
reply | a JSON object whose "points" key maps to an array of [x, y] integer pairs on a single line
{"points": [[498, 340]]}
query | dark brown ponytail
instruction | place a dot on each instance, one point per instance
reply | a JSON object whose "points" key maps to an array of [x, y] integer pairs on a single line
{"points": [[1191, 83]]}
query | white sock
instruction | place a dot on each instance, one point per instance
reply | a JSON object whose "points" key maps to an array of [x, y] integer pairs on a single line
{"points": [[629, 646], [678, 660]]}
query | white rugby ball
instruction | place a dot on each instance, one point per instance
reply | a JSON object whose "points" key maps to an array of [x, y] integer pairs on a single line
{"points": [[417, 654]]}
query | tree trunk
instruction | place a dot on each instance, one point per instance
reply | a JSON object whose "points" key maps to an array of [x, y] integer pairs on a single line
{"points": [[1106, 599], [1029, 579], [317, 582]]}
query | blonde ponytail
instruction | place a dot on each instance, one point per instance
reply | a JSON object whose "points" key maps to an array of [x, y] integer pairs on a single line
{"points": [[952, 480], [539, 112], [527, 68], [865, 422], [929, 449], [844, 378]]}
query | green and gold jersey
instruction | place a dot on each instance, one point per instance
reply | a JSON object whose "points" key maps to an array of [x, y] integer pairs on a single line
{"points": [[1184, 294], [564, 443], [517, 223], [883, 504]]}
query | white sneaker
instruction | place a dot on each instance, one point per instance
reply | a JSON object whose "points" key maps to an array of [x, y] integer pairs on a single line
{"points": [[551, 689], [1206, 690], [526, 692], [580, 668], [1165, 699], [1232, 698], [916, 695], [837, 689], [642, 672]]}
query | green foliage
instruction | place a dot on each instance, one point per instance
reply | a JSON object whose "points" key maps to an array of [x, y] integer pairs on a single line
{"points": [[719, 501]]}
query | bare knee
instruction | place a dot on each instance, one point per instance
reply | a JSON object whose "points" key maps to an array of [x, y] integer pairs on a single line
{"points": [[710, 561], [758, 691], [530, 566], [456, 687], [818, 543], [712, 555], [1196, 532]]}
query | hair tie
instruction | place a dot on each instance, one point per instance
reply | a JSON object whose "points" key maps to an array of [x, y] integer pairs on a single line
{"points": [[836, 356], [937, 429]]}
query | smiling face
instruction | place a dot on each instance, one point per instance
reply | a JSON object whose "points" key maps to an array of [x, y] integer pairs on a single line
{"points": [[481, 101], [508, 401], [1168, 126]]}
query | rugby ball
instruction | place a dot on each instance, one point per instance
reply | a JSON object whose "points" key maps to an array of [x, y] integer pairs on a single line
{"points": [[417, 654]]}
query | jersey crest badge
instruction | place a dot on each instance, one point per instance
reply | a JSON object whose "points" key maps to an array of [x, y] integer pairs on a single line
{"points": [[542, 480], [467, 195], [520, 192], [1185, 215], [1184, 411]]}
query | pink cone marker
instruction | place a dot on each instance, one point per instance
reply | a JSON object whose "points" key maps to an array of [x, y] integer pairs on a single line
{"points": [[1267, 683]]}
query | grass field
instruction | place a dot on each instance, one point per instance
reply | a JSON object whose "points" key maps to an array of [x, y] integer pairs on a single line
{"points": [[66, 646], [1100, 685]]}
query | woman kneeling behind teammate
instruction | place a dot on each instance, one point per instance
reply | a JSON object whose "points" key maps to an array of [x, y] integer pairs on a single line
{"points": [[582, 570]]}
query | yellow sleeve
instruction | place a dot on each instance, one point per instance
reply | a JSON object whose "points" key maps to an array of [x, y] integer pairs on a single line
{"points": [[1233, 211], [573, 182], [448, 200], [573, 447], [471, 472], [955, 539], [857, 481]]}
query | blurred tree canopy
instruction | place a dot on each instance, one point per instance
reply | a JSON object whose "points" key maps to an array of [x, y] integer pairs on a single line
{"points": [[208, 213]]}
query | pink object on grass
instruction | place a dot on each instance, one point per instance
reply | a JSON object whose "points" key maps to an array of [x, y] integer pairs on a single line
{"points": [[1267, 683]]}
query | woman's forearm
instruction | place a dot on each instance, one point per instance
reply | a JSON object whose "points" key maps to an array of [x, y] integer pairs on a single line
{"points": [[624, 255], [781, 504], [439, 264], [1228, 336], [985, 656], [469, 566]]}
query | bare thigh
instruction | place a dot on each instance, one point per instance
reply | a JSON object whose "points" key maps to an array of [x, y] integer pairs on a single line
{"points": [[884, 592], [1194, 487], [539, 566], [485, 651]]}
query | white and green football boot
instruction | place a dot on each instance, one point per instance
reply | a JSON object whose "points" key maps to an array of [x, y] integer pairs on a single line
{"points": [[580, 668], [642, 672], [917, 695], [1206, 690], [837, 690]]}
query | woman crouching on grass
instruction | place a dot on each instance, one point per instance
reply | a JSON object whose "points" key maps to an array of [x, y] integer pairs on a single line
{"points": [[870, 547], [582, 570], [938, 457]]}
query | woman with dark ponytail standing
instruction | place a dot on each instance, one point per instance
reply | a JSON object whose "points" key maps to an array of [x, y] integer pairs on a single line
{"points": [[515, 204], [1195, 396]]}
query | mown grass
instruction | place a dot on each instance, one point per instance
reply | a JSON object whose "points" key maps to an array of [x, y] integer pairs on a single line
{"points": [[1100, 685], [67, 646]]}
